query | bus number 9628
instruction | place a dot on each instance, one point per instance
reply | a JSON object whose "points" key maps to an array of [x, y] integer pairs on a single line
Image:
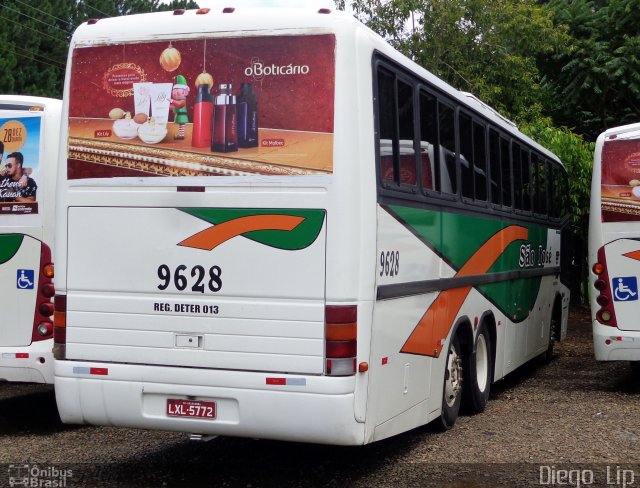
{"points": [[200, 278]]}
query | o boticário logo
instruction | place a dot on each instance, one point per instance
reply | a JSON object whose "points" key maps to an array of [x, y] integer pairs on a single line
{"points": [[283, 229]]}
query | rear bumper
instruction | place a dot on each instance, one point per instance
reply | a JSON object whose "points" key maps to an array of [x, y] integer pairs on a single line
{"points": [[29, 364], [623, 345], [306, 409]]}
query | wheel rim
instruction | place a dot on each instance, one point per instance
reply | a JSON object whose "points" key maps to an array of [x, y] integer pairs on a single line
{"points": [[482, 362], [453, 381]]}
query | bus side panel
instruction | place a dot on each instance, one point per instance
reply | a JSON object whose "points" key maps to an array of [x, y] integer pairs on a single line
{"points": [[19, 273], [399, 381]]}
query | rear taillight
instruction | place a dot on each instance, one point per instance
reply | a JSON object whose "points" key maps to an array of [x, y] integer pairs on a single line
{"points": [[605, 314], [60, 327], [341, 344], [42, 326]]}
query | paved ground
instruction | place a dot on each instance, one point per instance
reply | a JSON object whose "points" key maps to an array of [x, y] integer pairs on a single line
{"points": [[573, 414]]}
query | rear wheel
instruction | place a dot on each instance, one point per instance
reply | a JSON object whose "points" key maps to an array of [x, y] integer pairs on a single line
{"points": [[452, 385], [547, 356], [479, 371]]}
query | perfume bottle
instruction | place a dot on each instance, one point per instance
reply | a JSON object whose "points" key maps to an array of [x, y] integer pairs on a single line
{"points": [[247, 116], [202, 117], [225, 134]]}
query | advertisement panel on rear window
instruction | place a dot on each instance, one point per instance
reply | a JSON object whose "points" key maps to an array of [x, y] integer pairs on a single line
{"points": [[19, 164], [212, 107], [621, 180]]}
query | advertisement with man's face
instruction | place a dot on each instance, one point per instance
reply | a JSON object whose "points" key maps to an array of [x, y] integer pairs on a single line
{"points": [[621, 180], [260, 105], [20, 163]]}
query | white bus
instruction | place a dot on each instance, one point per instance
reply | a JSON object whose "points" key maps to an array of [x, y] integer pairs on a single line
{"points": [[377, 253], [614, 245], [29, 143]]}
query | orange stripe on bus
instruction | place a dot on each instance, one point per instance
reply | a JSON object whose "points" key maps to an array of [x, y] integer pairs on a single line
{"points": [[216, 235], [434, 326], [633, 255]]}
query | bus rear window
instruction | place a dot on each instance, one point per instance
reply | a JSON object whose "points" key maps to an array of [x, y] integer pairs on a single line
{"points": [[621, 180]]}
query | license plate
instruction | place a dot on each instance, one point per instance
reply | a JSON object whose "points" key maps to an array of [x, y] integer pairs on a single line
{"points": [[191, 409]]}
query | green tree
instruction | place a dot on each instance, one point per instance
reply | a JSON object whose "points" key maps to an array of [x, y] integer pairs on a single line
{"points": [[595, 83], [487, 48], [35, 36]]}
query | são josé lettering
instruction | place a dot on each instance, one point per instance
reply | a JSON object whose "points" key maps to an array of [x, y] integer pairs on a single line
{"points": [[529, 258], [192, 308]]}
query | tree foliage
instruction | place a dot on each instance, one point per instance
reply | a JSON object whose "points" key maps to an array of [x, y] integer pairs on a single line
{"points": [[487, 48], [576, 154], [595, 82], [35, 36]]}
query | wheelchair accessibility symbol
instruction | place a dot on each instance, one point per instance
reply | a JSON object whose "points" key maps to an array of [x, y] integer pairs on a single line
{"points": [[25, 279], [625, 289]]}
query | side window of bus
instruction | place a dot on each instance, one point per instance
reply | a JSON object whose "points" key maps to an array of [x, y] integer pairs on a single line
{"points": [[386, 121], [535, 182], [517, 176], [495, 174], [447, 156], [428, 142], [542, 184], [473, 160], [480, 161], [466, 155], [407, 155], [564, 191], [505, 165], [555, 200], [525, 173]]}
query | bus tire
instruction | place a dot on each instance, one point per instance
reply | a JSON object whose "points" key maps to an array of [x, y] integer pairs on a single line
{"points": [[554, 324], [478, 367], [452, 390]]}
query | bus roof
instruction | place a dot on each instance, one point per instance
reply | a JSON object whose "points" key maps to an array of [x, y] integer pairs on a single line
{"points": [[28, 100], [630, 131]]}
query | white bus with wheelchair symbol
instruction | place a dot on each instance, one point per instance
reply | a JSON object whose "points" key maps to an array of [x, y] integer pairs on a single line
{"points": [[614, 246], [29, 141]]}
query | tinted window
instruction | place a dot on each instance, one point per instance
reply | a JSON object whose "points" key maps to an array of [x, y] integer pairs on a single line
{"points": [[466, 155], [505, 164], [386, 123], [479, 161], [448, 172], [517, 175], [525, 173], [495, 186], [428, 141], [407, 155]]}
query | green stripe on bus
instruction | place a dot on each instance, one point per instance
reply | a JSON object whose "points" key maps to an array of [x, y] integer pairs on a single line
{"points": [[9, 245], [456, 237], [301, 237]]}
